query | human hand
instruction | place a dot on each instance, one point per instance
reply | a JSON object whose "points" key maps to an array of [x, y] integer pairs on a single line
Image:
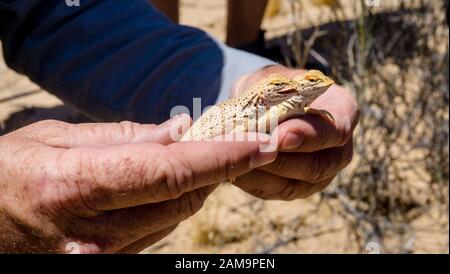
{"points": [[313, 150], [105, 188]]}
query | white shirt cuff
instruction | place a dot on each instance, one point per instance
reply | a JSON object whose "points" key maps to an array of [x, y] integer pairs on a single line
{"points": [[237, 63]]}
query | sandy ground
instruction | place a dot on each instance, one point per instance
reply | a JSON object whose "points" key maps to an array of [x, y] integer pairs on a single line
{"points": [[231, 221]]}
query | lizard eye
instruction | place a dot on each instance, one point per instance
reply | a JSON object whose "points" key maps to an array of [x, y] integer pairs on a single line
{"points": [[277, 84]]}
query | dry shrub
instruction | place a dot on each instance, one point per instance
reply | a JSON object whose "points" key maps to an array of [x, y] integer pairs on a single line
{"points": [[395, 60]]}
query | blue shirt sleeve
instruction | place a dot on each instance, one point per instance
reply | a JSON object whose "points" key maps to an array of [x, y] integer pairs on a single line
{"points": [[112, 59]]}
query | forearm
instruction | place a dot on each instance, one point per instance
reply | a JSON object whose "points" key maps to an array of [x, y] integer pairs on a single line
{"points": [[20, 238]]}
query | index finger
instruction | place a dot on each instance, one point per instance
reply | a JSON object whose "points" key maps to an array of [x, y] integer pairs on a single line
{"points": [[122, 176], [312, 133]]}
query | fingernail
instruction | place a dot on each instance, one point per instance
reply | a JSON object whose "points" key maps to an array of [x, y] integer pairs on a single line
{"points": [[170, 121], [262, 158], [291, 141], [174, 119]]}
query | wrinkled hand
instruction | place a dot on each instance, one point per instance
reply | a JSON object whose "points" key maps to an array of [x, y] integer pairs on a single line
{"points": [[103, 188], [313, 150]]}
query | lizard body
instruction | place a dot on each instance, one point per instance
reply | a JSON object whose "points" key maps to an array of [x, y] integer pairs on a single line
{"points": [[263, 106]]}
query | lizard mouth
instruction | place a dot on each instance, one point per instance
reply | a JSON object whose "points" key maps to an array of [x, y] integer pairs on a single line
{"points": [[288, 91], [327, 82]]}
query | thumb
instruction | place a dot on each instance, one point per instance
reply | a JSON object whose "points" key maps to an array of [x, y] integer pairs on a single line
{"points": [[65, 135], [216, 160]]}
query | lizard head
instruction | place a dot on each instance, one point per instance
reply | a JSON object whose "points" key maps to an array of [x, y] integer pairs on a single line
{"points": [[312, 85], [305, 89], [277, 89]]}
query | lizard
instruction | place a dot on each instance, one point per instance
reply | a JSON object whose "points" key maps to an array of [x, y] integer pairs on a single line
{"points": [[263, 106]]}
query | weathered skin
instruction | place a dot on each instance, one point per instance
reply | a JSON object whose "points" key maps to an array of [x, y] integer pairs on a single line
{"points": [[263, 106]]}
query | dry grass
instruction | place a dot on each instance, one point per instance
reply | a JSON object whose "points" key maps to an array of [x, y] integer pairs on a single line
{"points": [[396, 63]]}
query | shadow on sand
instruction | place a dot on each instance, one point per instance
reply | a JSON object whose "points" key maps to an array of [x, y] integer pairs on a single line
{"points": [[28, 116]]}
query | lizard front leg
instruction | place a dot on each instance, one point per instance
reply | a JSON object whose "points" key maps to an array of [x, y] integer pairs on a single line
{"points": [[278, 114], [287, 110], [321, 112]]}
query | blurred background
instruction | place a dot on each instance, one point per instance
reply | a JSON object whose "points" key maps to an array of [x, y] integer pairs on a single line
{"points": [[393, 198]]}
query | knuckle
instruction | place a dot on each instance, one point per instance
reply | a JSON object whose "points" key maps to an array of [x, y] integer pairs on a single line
{"points": [[165, 174], [49, 122], [324, 165], [327, 163], [309, 189], [45, 125], [129, 129], [86, 179], [69, 190], [319, 167], [55, 192], [62, 207], [289, 192], [190, 203], [278, 165], [345, 133], [176, 175], [50, 201], [322, 139], [42, 130], [349, 124], [197, 198]]}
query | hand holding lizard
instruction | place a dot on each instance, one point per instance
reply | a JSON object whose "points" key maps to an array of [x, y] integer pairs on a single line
{"points": [[313, 150]]}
